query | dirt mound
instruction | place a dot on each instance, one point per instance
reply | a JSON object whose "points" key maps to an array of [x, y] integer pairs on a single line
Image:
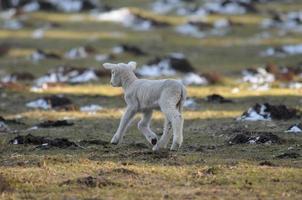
{"points": [[216, 98], [288, 155], [129, 49], [50, 123], [37, 140], [255, 138], [267, 163], [91, 182], [53, 101], [267, 111], [94, 142], [18, 76]]}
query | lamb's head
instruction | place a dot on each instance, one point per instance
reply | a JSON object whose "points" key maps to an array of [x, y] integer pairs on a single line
{"points": [[119, 71]]}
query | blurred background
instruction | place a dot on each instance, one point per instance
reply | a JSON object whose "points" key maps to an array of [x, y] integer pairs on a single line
{"points": [[240, 60]]}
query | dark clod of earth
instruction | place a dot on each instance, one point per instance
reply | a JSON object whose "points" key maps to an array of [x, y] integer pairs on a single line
{"points": [[266, 163], [288, 155], [37, 140], [91, 182], [216, 98], [256, 138], [57, 123]]}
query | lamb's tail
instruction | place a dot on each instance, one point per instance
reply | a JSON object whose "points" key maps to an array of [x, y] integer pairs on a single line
{"points": [[183, 96]]}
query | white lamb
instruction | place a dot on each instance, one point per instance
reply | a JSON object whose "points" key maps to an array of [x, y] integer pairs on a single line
{"points": [[144, 96]]}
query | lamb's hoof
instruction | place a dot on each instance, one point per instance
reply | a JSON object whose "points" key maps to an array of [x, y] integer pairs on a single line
{"points": [[114, 141], [155, 148], [175, 147], [153, 141]]}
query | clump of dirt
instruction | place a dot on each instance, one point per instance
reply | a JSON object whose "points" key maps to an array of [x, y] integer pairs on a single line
{"points": [[132, 49], [267, 111], [213, 77], [94, 142], [4, 185], [37, 140], [288, 155], [50, 123], [255, 138], [124, 171], [267, 163], [91, 182], [216, 98]]}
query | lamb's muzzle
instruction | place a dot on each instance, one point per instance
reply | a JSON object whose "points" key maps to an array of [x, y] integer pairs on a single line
{"points": [[144, 96]]}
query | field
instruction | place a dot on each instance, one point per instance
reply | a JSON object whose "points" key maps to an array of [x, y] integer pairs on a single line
{"points": [[206, 166]]}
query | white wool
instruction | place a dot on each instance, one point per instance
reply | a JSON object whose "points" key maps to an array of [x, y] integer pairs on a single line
{"points": [[144, 96]]}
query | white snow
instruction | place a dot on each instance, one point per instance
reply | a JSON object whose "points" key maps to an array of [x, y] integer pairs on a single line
{"points": [[283, 51], [91, 108], [229, 8], [162, 68], [37, 56], [194, 79], [260, 77], [31, 6], [190, 30], [39, 103], [253, 115], [88, 75], [190, 103], [76, 53], [12, 24], [68, 5], [101, 57], [125, 17], [294, 129], [38, 33], [72, 76]]}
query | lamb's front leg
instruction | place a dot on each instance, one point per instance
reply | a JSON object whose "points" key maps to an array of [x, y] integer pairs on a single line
{"points": [[124, 124], [144, 126]]}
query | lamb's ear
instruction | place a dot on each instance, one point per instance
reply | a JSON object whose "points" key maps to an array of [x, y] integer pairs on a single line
{"points": [[109, 65], [132, 65]]}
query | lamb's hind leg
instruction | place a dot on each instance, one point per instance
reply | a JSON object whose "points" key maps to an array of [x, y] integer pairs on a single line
{"points": [[177, 125], [144, 126], [164, 140]]}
